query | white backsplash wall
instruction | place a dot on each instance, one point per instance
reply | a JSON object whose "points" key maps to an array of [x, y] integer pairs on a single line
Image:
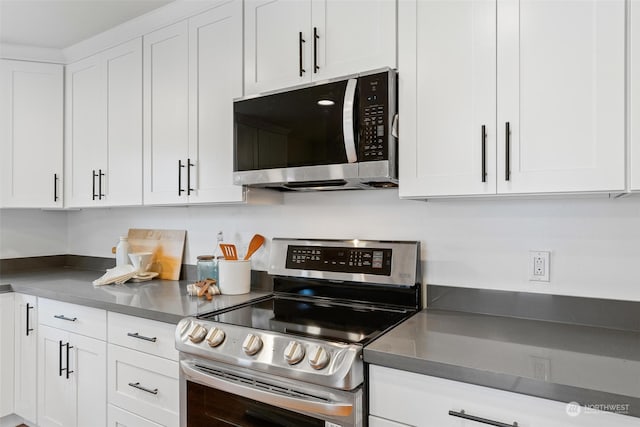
{"points": [[594, 242], [32, 232]]}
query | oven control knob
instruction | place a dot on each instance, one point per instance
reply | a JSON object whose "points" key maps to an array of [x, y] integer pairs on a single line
{"points": [[294, 352], [197, 333], [215, 337], [318, 357], [252, 344]]}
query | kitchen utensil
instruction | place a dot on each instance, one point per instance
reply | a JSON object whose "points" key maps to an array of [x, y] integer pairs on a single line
{"points": [[256, 242], [229, 251], [235, 276]]}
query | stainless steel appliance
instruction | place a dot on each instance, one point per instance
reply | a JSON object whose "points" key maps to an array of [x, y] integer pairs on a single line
{"points": [[331, 135], [294, 358]]}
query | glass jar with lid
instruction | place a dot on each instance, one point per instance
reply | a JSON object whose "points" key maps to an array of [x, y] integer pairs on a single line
{"points": [[207, 267]]}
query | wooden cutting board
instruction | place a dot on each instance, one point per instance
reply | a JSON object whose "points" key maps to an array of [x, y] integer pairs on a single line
{"points": [[167, 247]]}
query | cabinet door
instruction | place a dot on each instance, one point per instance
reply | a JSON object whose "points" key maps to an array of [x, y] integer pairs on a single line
{"points": [[26, 336], [123, 67], [166, 124], [278, 44], [31, 103], [215, 67], [634, 92], [351, 36], [447, 96], [85, 136], [561, 90], [56, 406], [88, 361], [6, 354]]}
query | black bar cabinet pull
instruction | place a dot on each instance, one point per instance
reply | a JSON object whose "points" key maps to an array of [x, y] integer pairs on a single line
{"points": [[484, 153], [466, 416], [300, 41], [67, 368], [139, 387], [189, 165], [60, 358], [93, 183], [29, 307], [100, 175], [180, 166], [507, 136], [141, 337], [55, 187], [63, 317], [315, 50]]}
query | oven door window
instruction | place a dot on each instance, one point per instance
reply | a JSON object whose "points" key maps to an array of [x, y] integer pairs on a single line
{"points": [[211, 407]]}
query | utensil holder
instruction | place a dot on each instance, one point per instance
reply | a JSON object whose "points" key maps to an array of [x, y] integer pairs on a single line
{"points": [[234, 277]]}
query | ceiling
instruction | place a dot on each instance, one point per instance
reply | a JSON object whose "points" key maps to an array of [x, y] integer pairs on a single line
{"points": [[61, 23]]}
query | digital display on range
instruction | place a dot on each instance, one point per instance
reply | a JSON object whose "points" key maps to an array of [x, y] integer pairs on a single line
{"points": [[341, 260]]}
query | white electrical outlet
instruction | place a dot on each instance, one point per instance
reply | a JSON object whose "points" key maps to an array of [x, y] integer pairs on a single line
{"points": [[539, 266]]}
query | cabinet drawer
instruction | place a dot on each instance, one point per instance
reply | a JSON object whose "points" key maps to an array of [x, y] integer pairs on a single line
{"points": [[140, 334], [421, 400], [144, 384], [78, 319], [120, 418]]}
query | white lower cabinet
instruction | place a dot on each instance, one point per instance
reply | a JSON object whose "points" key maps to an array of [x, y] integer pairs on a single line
{"points": [[420, 400], [6, 354], [143, 374], [25, 361], [117, 417], [72, 368]]}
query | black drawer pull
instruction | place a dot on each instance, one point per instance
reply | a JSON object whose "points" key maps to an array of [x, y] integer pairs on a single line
{"points": [[484, 153], [141, 337], [29, 307], [466, 416], [139, 387], [507, 154], [300, 42], [63, 317]]}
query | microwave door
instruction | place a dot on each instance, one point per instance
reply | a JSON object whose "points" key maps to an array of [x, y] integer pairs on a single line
{"points": [[348, 128]]}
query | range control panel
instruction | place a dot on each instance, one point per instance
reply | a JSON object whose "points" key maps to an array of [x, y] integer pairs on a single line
{"points": [[340, 259]]}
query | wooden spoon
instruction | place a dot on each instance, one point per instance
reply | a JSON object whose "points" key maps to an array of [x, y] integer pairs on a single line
{"points": [[256, 241]]}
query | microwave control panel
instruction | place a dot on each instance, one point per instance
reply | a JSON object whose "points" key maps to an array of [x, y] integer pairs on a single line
{"points": [[374, 117]]}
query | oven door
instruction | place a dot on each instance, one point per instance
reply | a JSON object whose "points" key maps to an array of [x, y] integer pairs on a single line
{"points": [[215, 394]]}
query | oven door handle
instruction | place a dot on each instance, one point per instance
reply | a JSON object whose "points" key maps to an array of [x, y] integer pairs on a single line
{"points": [[347, 121], [308, 405]]}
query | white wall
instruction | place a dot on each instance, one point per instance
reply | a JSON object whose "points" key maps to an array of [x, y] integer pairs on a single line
{"points": [[32, 232], [595, 243]]}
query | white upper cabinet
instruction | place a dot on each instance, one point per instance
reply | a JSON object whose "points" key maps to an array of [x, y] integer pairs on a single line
{"points": [[552, 72], [193, 70], [31, 105], [215, 68], [289, 42], [633, 82], [103, 143], [447, 97], [561, 89]]}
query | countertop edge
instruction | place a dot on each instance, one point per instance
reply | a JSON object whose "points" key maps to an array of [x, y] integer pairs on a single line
{"points": [[500, 381]]}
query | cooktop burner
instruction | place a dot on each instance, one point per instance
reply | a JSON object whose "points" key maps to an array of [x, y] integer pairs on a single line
{"points": [[346, 322]]}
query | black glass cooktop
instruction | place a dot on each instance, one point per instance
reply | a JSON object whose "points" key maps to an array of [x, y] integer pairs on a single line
{"points": [[315, 318]]}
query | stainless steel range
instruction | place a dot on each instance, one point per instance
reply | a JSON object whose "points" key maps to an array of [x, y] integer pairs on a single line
{"points": [[294, 358]]}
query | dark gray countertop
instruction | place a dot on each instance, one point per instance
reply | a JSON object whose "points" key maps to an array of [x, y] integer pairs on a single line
{"points": [[162, 300], [558, 361]]}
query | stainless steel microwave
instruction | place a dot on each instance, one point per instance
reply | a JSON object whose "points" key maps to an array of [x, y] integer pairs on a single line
{"points": [[334, 135]]}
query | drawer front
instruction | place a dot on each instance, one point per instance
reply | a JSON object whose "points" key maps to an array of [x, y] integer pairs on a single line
{"points": [[421, 400], [381, 422], [143, 384], [120, 418], [78, 319], [144, 335]]}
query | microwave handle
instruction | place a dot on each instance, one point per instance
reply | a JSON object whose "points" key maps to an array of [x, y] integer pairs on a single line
{"points": [[347, 121]]}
